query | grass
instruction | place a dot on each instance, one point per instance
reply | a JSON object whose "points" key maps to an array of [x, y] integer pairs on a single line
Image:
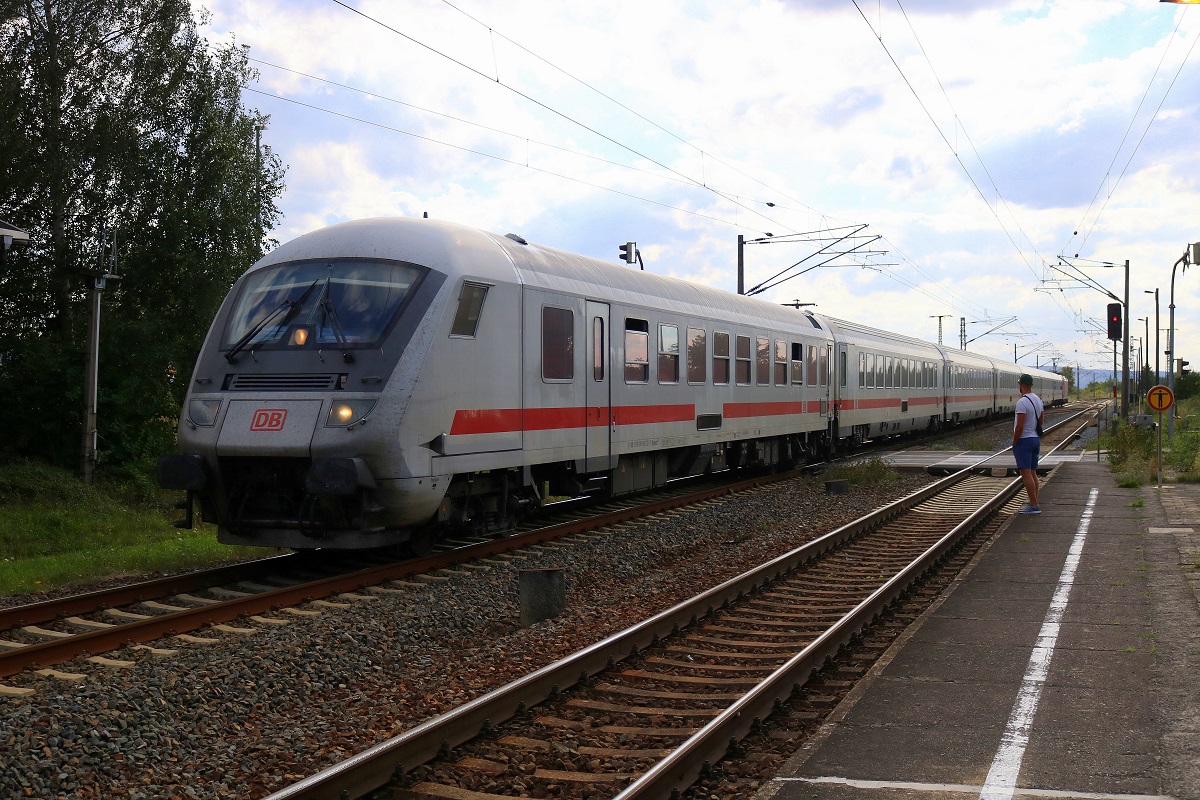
{"points": [[980, 441], [1133, 452], [867, 472], [56, 531]]}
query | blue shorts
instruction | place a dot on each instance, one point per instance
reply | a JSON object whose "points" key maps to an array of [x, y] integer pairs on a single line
{"points": [[1026, 452]]}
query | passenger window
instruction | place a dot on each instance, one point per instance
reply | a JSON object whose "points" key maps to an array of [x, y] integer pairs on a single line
{"points": [[696, 356], [668, 354], [797, 363], [870, 370], [558, 343], [763, 361], [862, 370], [637, 351], [470, 303], [781, 362], [743, 360], [812, 365], [824, 366], [842, 368], [598, 348], [890, 370], [720, 357]]}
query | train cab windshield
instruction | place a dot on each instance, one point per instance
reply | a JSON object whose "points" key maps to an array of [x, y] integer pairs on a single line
{"points": [[326, 303]]}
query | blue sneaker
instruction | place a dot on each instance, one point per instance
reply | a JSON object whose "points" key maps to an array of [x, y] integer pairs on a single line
{"points": [[1030, 509]]}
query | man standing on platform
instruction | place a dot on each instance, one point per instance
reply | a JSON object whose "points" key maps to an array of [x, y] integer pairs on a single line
{"points": [[1027, 441]]}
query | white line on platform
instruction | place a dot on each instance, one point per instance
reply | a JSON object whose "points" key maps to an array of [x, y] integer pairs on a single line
{"points": [[1002, 777], [963, 788]]}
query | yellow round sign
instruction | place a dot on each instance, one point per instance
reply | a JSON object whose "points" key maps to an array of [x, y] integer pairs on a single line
{"points": [[1160, 398]]}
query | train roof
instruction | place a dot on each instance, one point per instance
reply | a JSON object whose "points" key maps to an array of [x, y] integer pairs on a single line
{"points": [[459, 250]]}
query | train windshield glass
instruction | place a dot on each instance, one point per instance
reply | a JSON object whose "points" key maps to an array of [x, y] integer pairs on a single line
{"points": [[331, 303]]}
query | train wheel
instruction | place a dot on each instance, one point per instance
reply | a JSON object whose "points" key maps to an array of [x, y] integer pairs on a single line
{"points": [[420, 542]]}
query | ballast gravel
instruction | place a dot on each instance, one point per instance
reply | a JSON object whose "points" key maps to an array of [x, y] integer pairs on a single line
{"points": [[255, 712]]}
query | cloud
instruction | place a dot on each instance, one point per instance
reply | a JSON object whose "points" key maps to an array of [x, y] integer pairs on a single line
{"points": [[976, 160]]}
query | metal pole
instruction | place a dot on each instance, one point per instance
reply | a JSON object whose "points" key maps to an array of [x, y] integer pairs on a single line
{"points": [[741, 264], [1157, 347], [1145, 342], [1171, 344], [1160, 449], [1138, 364], [1125, 351], [90, 382]]}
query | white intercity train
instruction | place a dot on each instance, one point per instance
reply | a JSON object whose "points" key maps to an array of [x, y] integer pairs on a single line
{"points": [[375, 382]]}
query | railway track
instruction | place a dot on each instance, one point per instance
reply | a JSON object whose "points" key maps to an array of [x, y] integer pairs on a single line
{"points": [[266, 591], [644, 713]]}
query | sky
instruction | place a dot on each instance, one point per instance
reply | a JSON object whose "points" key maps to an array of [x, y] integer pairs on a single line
{"points": [[989, 160]]}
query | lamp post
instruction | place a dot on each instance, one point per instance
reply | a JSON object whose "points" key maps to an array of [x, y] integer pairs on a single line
{"points": [[98, 277], [1190, 256], [1157, 327], [1143, 361]]}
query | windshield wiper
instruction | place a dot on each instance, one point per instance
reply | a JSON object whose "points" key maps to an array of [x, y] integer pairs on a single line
{"points": [[328, 309], [290, 305]]}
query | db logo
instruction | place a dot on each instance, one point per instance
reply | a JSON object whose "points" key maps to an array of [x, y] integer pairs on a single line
{"points": [[268, 419]]}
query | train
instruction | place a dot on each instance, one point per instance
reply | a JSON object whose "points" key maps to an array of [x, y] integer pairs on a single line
{"points": [[378, 382]]}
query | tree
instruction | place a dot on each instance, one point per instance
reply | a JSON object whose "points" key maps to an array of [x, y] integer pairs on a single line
{"points": [[1068, 372], [121, 126]]}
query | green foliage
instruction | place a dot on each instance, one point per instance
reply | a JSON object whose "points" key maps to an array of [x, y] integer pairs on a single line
{"points": [[1188, 386], [980, 441], [867, 472], [120, 125], [1131, 452], [55, 530]]}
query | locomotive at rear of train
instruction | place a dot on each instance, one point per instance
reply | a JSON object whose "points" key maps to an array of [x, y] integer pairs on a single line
{"points": [[371, 383]]}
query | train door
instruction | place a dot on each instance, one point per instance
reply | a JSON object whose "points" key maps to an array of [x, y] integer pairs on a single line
{"points": [[827, 381], [598, 380], [839, 388]]}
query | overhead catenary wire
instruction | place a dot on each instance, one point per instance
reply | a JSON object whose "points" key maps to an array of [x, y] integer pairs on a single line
{"points": [[638, 114], [493, 32], [954, 151], [1125, 136], [545, 106], [678, 177], [942, 134], [483, 154]]}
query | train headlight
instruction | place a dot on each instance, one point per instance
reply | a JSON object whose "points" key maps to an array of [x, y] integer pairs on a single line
{"points": [[346, 413], [203, 413]]}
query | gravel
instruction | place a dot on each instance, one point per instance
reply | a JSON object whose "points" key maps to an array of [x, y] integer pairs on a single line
{"points": [[247, 716]]}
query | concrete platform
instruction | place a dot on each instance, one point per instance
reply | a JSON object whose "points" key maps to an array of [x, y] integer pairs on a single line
{"points": [[1064, 664]]}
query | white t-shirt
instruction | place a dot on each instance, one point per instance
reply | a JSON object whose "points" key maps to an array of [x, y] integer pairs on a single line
{"points": [[1031, 406]]}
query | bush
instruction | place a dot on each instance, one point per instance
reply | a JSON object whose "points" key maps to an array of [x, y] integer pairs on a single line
{"points": [[1132, 452]]}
